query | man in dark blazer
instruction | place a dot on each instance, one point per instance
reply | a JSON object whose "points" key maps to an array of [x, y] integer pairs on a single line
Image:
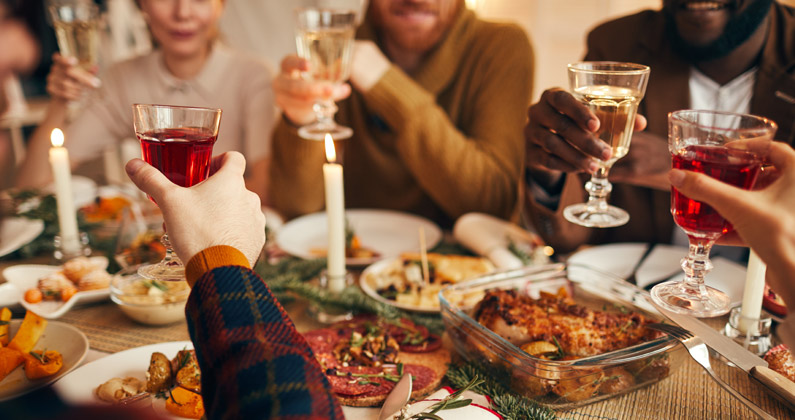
{"points": [[726, 43]]}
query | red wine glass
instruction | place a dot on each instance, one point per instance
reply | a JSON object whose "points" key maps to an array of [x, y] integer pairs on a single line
{"points": [[725, 146], [178, 141]]}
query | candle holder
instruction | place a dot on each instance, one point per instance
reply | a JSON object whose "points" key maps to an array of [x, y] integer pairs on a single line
{"points": [[61, 255], [756, 339], [325, 312]]}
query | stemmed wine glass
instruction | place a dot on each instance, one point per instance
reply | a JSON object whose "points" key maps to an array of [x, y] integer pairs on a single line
{"points": [[77, 29], [726, 146], [324, 37], [612, 91], [178, 141]]}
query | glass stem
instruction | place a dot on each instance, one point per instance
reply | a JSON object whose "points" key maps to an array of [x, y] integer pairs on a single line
{"points": [[598, 188], [324, 111], [171, 258], [697, 264]]}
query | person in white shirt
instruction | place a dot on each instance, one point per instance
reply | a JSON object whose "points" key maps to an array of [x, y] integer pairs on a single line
{"points": [[189, 67], [732, 56]]}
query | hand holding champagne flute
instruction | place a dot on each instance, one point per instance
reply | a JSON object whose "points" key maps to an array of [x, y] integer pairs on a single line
{"points": [[612, 91], [325, 39], [178, 141]]}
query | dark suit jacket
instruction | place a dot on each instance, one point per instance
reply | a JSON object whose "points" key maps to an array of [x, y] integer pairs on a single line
{"points": [[640, 38]]}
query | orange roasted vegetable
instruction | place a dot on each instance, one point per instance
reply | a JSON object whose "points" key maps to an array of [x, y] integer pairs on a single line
{"points": [[184, 403], [39, 364], [29, 332], [9, 360], [5, 318]]}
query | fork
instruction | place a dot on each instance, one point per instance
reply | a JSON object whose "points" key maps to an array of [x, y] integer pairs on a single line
{"points": [[698, 350]]}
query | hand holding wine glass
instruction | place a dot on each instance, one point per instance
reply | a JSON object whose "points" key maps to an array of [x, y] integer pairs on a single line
{"points": [[324, 38], [612, 91], [178, 141], [730, 148], [223, 198]]}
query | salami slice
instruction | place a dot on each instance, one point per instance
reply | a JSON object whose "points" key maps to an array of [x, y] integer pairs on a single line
{"points": [[356, 386], [323, 340], [432, 343], [423, 375]]}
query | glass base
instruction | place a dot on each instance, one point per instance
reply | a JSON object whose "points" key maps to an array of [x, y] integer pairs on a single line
{"points": [[679, 297], [163, 272], [330, 314], [756, 339], [584, 215], [318, 131]]}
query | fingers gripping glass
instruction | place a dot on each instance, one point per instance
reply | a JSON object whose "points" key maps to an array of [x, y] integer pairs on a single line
{"points": [[178, 141], [725, 146], [612, 91], [324, 38]]}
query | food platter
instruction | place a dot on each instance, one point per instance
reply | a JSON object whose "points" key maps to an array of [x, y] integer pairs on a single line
{"points": [[22, 277], [78, 387], [384, 231], [66, 339]]}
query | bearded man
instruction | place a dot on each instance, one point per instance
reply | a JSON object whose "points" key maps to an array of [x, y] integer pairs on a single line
{"points": [[437, 107], [725, 55]]}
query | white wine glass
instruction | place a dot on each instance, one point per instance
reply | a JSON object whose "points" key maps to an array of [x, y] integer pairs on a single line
{"points": [[324, 37], [612, 91], [77, 30]]}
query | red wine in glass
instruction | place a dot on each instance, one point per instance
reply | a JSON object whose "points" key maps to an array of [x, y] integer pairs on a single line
{"points": [[181, 154], [732, 166]]}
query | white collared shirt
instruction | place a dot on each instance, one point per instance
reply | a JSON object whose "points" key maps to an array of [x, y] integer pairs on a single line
{"points": [[238, 84]]}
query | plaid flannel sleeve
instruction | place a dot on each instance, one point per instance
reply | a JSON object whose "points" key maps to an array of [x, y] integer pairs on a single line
{"points": [[254, 362]]}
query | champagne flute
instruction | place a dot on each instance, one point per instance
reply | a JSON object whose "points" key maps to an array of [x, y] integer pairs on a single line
{"points": [[178, 141], [76, 24], [726, 146], [324, 37], [612, 91]]}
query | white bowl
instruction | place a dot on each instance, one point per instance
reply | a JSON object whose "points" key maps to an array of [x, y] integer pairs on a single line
{"points": [[149, 305]]}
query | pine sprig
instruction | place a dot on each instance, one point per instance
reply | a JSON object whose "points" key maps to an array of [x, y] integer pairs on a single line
{"points": [[292, 277], [510, 406]]}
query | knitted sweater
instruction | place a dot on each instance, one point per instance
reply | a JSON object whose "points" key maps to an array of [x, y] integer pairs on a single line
{"points": [[440, 142]]}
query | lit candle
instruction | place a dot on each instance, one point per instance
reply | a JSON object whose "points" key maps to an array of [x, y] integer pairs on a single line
{"points": [[62, 174], [335, 212], [752, 295]]}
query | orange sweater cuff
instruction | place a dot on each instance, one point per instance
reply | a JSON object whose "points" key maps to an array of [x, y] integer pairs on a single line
{"points": [[213, 257]]}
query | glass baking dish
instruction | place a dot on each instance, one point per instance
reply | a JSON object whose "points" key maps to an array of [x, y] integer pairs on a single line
{"points": [[559, 384]]}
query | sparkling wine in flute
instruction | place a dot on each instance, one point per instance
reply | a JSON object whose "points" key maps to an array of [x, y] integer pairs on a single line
{"points": [[79, 39], [328, 52], [616, 108], [732, 166], [181, 154]]}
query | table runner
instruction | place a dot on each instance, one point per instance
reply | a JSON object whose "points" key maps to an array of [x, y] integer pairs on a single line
{"points": [[109, 330]]}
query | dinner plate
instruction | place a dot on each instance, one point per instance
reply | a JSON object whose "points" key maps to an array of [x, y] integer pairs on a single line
{"points": [[369, 289], [66, 339], [17, 232], [387, 232], [619, 259], [26, 276], [78, 387]]}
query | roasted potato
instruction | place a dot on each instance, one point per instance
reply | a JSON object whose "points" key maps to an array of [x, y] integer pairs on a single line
{"points": [[5, 318], [159, 376]]}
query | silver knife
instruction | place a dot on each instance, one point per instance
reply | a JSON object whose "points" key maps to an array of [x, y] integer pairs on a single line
{"points": [[397, 398], [754, 366]]}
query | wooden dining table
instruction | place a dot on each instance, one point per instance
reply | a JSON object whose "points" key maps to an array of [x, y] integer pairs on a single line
{"points": [[688, 393]]}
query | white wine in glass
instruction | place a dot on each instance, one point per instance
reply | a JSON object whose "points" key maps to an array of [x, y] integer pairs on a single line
{"points": [[612, 91], [76, 24], [325, 38]]}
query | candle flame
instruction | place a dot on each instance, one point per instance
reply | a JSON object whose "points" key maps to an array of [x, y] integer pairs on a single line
{"points": [[56, 138], [331, 154]]}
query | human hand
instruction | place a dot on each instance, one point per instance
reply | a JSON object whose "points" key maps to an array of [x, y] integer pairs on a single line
{"points": [[646, 164], [67, 80], [368, 65], [560, 134], [218, 211], [762, 218], [296, 96]]}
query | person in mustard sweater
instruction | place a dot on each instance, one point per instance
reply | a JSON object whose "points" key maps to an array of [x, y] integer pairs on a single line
{"points": [[437, 106]]}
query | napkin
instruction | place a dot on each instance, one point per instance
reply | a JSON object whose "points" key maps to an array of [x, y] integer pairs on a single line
{"points": [[477, 410], [489, 237]]}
